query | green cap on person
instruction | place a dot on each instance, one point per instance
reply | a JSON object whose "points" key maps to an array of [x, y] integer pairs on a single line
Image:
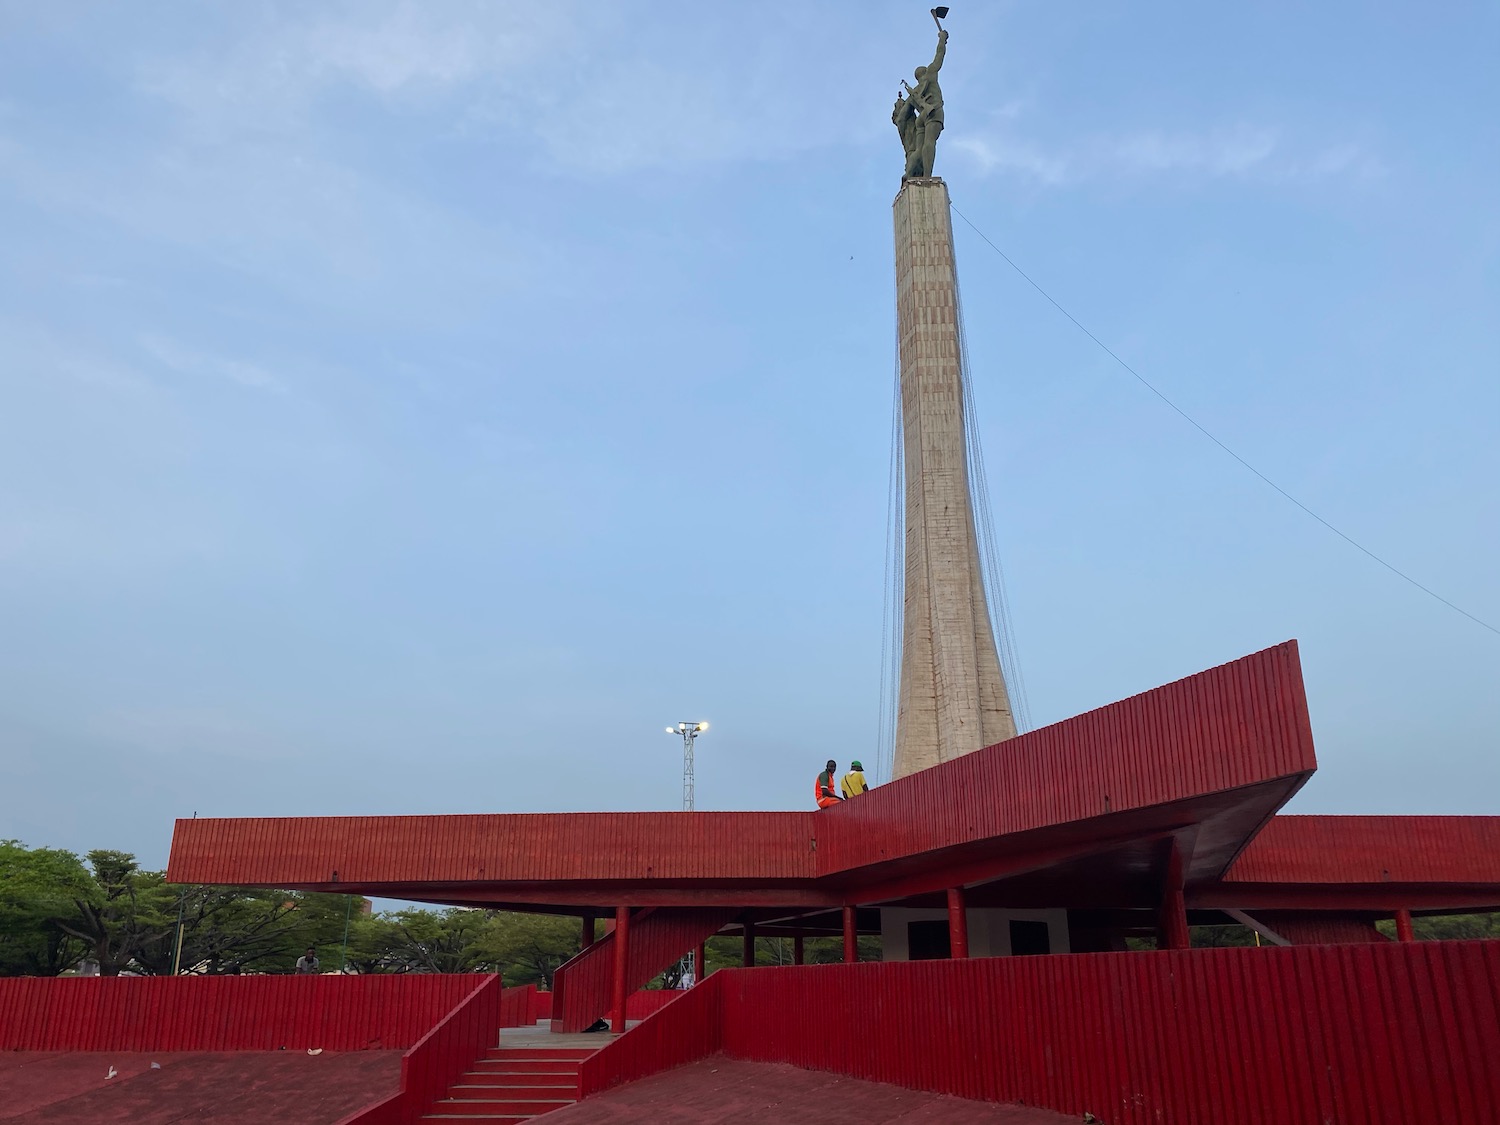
{"points": [[857, 766]]}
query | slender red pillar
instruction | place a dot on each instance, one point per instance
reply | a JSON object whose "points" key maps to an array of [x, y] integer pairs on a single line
{"points": [[1404, 932], [588, 932], [622, 963], [1173, 918], [958, 924], [851, 936], [700, 963], [748, 960], [797, 958]]}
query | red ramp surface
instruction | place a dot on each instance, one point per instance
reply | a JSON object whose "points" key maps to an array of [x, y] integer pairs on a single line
{"points": [[723, 1091], [230, 1087]]}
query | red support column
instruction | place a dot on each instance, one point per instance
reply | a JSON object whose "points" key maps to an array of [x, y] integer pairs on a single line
{"points": [[622, 967], [1173, 916], [958, 924], [797, 958], [1404, 932], [851, 936], [700, 963], [588, 932], [748, 959]]}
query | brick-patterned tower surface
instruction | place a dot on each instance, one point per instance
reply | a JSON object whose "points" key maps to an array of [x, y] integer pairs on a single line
{"points": [[952, 700]]}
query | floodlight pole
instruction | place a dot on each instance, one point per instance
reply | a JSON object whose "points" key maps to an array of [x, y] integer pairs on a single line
{"points": [[689, 733]]}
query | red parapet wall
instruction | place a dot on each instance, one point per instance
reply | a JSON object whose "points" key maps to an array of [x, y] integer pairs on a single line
{"points": [[333, 851], [1372, 851], [649, 1001], [688, 1029], [1319, 1035], [522, 1006], [526, 1004], [232, 1013], [1235, 725], [582, 988], [440, 1056]]}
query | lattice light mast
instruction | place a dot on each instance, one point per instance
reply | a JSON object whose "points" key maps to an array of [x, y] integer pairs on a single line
{"points": [[689, 733]]}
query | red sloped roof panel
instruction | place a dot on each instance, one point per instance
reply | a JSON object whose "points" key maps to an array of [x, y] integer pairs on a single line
{"points": [[1372, 849]]}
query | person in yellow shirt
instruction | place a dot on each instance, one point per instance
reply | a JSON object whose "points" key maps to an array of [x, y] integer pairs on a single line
{"points": [[854, 781]]}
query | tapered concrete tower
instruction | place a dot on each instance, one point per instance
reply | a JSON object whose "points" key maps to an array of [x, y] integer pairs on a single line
{"points": [[952, 699]]}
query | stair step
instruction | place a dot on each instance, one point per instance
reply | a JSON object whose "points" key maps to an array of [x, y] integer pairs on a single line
{"points": [[524, 1066], [493, 1119], [462, 1093], [550, 1054], [511, 1078], [495, 1107]]}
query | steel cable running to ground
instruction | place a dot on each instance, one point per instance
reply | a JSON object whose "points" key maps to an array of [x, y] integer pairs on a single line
{"points": [[892, 616], [1208, 434], [1001, 620]]}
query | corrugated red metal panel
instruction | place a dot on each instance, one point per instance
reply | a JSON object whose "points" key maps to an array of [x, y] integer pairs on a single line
{"points": [[224, 1013], [1318, 1035], [440, 1056], [1372, 850], [517, 847], [449, 1049], [581, 989], [1311, 927], [1231, 726], [1226, 729], [647, 1002], [690, 1028], [519, 1006]]}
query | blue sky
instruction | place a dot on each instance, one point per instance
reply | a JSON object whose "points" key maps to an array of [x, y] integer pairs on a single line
{"points": [[414, 408]]}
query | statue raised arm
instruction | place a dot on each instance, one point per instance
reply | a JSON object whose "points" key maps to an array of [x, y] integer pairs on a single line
{"points": [[937, 58], [926, 102]]}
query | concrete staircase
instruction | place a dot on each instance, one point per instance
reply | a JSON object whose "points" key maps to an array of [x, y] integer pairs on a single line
{"points": [[509, 1085]]}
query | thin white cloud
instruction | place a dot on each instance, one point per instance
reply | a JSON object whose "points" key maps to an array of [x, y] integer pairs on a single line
{"points": [[180, 358], [561, 85], [1231, 153], [1004, 155], [1242, 152]]}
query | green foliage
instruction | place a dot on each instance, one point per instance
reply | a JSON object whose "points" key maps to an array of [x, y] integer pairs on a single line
{"points": [[528, 948], [428, 941], [1448, 927], [1219, 937], [38, 887], [729, 952], [56, 912]]}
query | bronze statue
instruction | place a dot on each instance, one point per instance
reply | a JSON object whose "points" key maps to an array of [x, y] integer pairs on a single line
{"points": [[918, 115], [904, 117]]}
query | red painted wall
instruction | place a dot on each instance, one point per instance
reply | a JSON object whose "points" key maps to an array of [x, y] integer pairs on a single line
{"points": [[1320, 1035], [1372, 850], [647, 1002], [439, 1057], [249, 1013], [525, 1005], [1230, 726], [691, 1028], [581, 988], [515, 847]]}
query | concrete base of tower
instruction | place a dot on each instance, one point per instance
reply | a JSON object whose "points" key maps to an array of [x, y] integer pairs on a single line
{"points": [[952, 698]]}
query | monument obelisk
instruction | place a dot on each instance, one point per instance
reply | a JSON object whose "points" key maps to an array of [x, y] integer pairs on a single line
{"points": [[952, 698]]}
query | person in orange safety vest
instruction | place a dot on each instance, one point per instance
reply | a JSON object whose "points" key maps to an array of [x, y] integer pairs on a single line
{"points": [[826, 788]]}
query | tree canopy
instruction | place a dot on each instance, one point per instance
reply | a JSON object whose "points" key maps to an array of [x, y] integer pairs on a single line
{"points": [[59, 911]]}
